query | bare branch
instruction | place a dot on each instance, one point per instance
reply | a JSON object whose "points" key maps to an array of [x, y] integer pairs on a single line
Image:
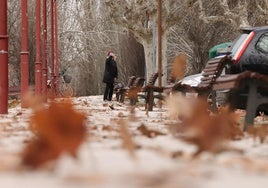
{"points": [[237, 17], [264, 8]]}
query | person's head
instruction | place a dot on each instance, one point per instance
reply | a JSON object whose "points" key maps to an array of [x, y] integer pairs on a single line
{"points": [[111, 54]]}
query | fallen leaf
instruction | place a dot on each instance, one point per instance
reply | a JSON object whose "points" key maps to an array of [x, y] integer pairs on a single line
{"points": [[58, 128], [147, 132]]}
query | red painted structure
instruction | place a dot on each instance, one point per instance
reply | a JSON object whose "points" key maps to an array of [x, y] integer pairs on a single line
{"points": [[38, 64], [40, 68], [52, 55], [24, 54], [3, 58], [159, 11], [44, 48], [56, 48]]}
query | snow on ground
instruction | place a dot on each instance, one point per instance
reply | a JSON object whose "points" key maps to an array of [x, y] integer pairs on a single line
{"points": [[103, 163]]}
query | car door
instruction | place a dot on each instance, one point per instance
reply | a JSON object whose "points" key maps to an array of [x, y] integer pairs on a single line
{"points": [[255, 57]]}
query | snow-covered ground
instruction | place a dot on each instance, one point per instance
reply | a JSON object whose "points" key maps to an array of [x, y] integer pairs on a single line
{"points": [[103, 162]]}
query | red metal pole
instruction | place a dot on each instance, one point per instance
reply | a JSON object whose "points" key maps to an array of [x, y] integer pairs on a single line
{"points": [[159, 43], [56, 48], [3, 58], [24, 54], [44, 49], [52, 48], [38, 64]]}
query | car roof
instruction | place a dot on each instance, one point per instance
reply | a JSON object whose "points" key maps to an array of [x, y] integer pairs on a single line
{"points": [[249, 29]]}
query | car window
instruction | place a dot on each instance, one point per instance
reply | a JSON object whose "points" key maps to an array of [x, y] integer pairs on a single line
{"points": [[238, 43], [262, 44]]}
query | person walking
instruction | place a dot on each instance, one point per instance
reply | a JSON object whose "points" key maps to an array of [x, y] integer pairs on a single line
{"points": [[110, 76]]}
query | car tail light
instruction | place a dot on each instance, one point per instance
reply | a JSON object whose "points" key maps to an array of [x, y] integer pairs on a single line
{"points": [[243, 47]]}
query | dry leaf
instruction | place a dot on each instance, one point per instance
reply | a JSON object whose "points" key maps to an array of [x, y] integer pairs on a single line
{"points": [[107, 128], [120, 114], [58, 129], [178, 106], [13, 103], [176, 154], [179, 66], [149, 133], [128, 142], [260, 132], [133, 93], [33, 101], [207, 131]]}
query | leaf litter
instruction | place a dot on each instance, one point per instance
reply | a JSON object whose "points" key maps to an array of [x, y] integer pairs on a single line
{"points": [[187, 132]]}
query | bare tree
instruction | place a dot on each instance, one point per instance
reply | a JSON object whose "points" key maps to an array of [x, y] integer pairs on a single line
{"points": [[86, 34], [14, 45], [140, 18], [89, 28], [237, 13], [208, 23]]}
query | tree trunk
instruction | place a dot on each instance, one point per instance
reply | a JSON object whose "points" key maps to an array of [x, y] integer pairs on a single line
{"points": [[151, 56]]}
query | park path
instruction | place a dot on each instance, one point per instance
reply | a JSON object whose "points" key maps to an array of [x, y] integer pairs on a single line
{"points": [[159, 160]]}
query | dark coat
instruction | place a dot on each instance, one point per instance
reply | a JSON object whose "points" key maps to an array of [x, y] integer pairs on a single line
{"points": [[110, 71]]}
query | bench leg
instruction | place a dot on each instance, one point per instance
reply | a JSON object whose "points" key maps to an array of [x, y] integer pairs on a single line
{"points": [[213, 102], [150, 100], [122, 98], [117, 97], [251, 107]]}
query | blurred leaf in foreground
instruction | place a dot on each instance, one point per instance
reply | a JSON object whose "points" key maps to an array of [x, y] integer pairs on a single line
{"points": [[58, 129]]}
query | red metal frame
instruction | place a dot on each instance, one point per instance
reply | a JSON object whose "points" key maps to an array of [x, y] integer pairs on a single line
{"points": [[3, 58], [38, 63], [159, 7], [52, 55], [24, 54], [44, 49], [56, 48], [40, 68]]}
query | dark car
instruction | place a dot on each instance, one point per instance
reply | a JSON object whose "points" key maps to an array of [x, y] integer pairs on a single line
{"points": [[250, 51]]}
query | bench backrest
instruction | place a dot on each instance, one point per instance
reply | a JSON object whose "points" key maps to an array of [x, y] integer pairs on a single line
{"points": [[236, 81], [213, 70], [139, 81], [152, 79], [130, 81]]}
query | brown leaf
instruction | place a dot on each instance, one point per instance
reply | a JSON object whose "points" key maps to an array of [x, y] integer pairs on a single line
{"points": [[133, 93], [59, 128], [176, 154], [13, 103], [120, 114], [207, 131], [107, 128], [149, 133], [179, 66], [33, 101], [128, 142], [260, 132]]}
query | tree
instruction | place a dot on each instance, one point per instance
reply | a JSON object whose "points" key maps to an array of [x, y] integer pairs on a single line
{"points": [[14, 46], [208, 23], [237, 13], [140, 18], [86, 35]]}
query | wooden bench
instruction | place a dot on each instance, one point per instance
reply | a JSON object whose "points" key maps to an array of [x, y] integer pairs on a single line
{"points": [[211, 72], [250, 85], [147, 92], [132, 91], [119, 92]]}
